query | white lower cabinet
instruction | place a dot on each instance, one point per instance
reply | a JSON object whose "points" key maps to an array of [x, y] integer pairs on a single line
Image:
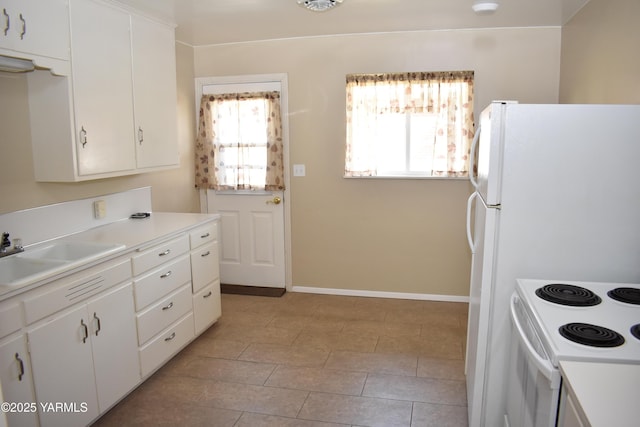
{"points": [[206, 307], [205, 276], [85, 358], [16, 380], [75, 346]]}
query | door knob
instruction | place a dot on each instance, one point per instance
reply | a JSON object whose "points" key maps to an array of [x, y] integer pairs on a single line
{"points": [[276, 200]]}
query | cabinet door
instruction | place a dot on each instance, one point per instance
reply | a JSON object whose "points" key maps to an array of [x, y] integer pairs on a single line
{"points": [[155, 99], [15, 376], [102, 88], [62, 364], [206, 307], [36, 27], [115, 345], [205, 267]]}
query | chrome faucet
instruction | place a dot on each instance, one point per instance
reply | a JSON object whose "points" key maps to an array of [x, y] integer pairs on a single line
{"points": [[6, 243]]}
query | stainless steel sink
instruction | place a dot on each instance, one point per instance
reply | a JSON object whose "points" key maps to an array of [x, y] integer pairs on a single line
{"points": [[33, 265]]}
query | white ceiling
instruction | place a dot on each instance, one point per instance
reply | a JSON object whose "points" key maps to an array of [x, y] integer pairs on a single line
{"points": [[205, 22]]}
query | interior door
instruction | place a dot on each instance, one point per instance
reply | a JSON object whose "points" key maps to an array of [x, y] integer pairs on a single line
{"points": [[252, 237]]}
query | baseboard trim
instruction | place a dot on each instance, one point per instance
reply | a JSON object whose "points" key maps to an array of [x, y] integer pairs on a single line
{"points": [[261, 291], [379, 294]]}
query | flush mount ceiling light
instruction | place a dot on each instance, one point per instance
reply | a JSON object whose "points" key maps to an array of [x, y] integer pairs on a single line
{"points": [[484, 7], [319, 5]]}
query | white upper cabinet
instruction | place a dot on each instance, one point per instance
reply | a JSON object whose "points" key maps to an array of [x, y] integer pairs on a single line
{"points": [[35, 27], [102, 88], [116, 114], [155, 97]]}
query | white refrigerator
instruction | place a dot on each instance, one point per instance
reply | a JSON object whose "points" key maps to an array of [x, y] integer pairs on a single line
{"points": [[557, 195]]}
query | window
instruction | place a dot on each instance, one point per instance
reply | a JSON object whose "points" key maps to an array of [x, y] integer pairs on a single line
{"points": [[239, 145], [409, 124]]}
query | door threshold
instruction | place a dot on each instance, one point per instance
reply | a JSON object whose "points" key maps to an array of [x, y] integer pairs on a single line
{"points": [[261, 291]]}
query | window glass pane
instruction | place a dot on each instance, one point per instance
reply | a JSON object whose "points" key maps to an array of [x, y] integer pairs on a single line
{"points": [[422, 137], [391, 144]]}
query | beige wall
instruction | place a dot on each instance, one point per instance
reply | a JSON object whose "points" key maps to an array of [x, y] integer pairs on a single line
{"points": [[373, 234], [172, 190], [601, 54]]}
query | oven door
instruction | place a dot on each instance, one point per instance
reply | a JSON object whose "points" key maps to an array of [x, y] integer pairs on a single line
{"points": [[533, 381]]}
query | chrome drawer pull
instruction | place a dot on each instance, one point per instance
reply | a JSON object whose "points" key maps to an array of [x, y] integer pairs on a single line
{"points": [[7, 22], [85, 330], [24, 27], [207, 295], [98, 323], [165, 275], [167, 252], [21, 366], [168, 307], [170, 337], [205, 254]]}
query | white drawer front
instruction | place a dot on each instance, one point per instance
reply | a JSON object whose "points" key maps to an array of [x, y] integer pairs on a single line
{"points": [[206, 307], [204, 266], [75, 288], [203, 235], [161, 281], [166, 344], [159, 254], [163, 313], [10, 318]]}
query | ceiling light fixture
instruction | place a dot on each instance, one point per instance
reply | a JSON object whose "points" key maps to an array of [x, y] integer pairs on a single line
{"points": [[485, 7], [319, 5]]}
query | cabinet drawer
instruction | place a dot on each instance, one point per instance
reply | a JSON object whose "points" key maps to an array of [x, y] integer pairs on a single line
{"points": [[206, 307], [161, 281], [75, 288], [204, 266], [203, 235], [163, 313], [10, 318], [159, 254], [167, 343]]}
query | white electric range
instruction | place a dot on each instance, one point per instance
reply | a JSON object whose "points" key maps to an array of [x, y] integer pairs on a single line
{"points": [[585, 321], [557, 321]]}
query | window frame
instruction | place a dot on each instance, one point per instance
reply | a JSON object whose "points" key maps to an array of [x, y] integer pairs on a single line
{"points": [[407, 173]]}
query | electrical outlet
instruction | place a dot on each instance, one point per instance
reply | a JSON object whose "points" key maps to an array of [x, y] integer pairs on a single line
{"points": [[99, 209], [299, 170]]}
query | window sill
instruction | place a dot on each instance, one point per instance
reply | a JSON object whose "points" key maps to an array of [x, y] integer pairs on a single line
{"points": [[448, 178]]}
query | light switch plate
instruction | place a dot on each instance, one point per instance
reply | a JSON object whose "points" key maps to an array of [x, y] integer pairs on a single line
{"points": [[299, 170]]}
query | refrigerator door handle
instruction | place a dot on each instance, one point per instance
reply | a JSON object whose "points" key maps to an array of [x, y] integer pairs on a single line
{"points": [[472, 158], [472, 244]]}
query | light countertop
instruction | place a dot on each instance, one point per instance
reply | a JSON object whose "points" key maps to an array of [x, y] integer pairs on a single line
{"points": [[132, 234], [607, 393]]}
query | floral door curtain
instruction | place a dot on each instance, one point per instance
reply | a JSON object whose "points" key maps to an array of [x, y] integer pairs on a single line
{"points": [[448, 95], [239, 143]]}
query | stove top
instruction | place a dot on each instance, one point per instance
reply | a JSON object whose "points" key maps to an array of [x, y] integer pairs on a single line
{"points": [[585, 321]]}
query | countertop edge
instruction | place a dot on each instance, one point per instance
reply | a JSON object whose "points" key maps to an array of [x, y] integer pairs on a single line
{"points": [[159, 227]]}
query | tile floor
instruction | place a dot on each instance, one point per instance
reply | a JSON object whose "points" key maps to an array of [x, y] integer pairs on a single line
{"points": [[312, 360]]}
